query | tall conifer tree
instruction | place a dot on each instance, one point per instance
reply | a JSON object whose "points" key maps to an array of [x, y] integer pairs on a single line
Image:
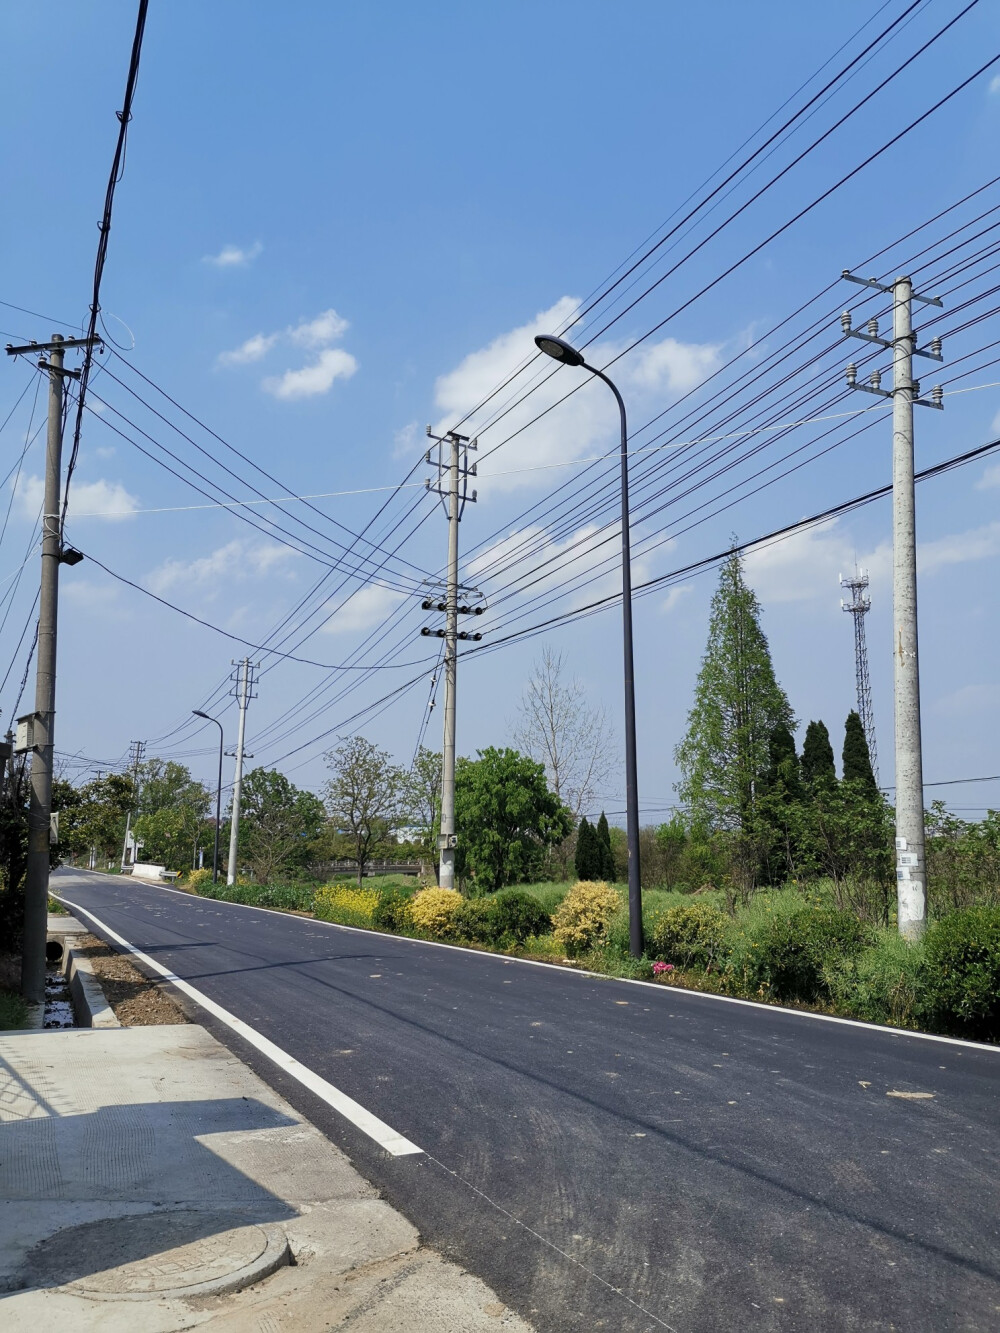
{"points": [[738, 704], [607, 855], [587, 858], [857, 760], [817, 756]]}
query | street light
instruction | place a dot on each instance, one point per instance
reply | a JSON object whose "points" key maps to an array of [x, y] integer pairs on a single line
{"points": [[218, 795], [562, 351]]}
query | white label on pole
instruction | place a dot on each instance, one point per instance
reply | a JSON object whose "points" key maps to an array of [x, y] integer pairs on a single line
{"points": [[900, 844], [902, 873], [907, 859]]}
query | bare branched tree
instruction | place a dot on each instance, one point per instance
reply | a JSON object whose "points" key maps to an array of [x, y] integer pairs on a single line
{"points": [[558, 728]]}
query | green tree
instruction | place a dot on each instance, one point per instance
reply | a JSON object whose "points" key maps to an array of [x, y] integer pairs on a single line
{"points": [[13, 853], [506, 818], [672, 839], [607, 856], [365, 798], [587, 858], [817, 756], [171, 807], [278, 823], [737, 705], [97, 823], [779, 804], [67, 805], [857, 761], [423, 797]]}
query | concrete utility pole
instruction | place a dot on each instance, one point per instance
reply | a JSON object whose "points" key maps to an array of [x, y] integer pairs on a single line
{"points": [[244, 693], [38, 733], [911, 875], [457, 471], [136, 754]]}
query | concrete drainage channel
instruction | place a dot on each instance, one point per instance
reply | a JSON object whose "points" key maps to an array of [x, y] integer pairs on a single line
{"points": [[73, 995]]}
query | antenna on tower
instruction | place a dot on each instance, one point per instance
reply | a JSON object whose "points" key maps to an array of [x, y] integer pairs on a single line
{"points": [[859, 606]]}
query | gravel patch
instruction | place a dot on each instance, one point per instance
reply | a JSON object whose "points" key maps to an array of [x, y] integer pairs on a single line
{"points": [[136, 1001]]}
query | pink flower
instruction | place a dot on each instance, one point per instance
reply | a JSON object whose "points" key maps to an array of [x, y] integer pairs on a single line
{"points": [[660, 968]]}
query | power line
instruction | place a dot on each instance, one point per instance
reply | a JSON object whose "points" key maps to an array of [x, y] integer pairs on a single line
{"points": [[117, 167], [236, 638]]}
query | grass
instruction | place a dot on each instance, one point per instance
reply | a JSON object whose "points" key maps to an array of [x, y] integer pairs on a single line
{"points": [[13, 1011]]}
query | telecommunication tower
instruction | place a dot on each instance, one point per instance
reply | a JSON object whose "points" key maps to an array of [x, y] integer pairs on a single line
{"points": [[859, 606]]}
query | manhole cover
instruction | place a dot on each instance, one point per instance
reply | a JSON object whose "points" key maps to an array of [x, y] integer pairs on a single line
{"points": [[156, 1255]]}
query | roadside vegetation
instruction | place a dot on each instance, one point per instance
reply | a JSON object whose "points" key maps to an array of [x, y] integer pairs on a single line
{"points": [[773, 880]]}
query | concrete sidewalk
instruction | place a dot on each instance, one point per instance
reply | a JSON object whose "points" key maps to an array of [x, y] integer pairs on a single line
{"points": [[145, 1172]]}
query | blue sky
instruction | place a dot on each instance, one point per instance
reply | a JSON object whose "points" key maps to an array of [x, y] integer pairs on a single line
{"points": [[338, 223]]}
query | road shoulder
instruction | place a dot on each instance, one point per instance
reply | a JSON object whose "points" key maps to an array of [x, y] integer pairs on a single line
{"points": [[164, 1122]]}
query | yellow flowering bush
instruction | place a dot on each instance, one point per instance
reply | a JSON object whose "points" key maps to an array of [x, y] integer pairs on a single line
{"points": [[195, 880], [432, 910], [346, 906], [582, 918]]}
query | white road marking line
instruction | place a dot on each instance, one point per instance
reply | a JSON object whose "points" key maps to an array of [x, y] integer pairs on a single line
{"points": [[673, 991], [362, 1119]]}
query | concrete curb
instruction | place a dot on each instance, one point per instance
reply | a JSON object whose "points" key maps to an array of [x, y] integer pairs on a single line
{"points": [[89, 1002]]}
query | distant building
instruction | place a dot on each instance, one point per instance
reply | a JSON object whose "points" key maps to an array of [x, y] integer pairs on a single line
{"points": [[410, 833]]}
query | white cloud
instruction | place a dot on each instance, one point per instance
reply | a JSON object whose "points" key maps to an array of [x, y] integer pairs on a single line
{"points": [[807, 564], [90, 596], [237, 560], [254, 349], [365, 609], [995, 84], [87, 499], [406, 441], [990, 478], [672, 367], [325, 328], [674, 596], [586, 423], [958, 549], [233, 256], [332, 364], [105, 451]]}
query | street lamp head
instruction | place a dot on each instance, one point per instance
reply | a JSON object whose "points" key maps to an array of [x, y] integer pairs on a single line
{"points": [[198, 713], [558, 349]]}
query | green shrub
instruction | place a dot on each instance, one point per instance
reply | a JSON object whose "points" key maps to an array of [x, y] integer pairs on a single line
{"points": [[962, 970], [617, 937], [781, 954], [288, 897], [518, 915], [883, 984], [392, 912], [583, 917], [691, 935], [475, 921], [13, 1011]]}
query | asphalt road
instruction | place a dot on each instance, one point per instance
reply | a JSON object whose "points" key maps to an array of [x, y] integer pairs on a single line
{"points": [[615, 1156]]}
